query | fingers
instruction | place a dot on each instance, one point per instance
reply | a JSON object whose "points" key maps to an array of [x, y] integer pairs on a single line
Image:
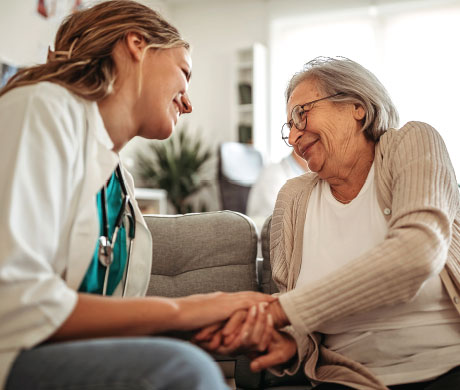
{"points": [[222, 350], [256, 332], [215, 341], [268, 360], [235, 322], [258, 329], [267, 336], [207, 333], [248, 324], [282, 348], [239, 342]]}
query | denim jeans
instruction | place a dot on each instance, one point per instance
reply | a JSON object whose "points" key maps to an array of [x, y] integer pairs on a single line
{"points": [[144, 363]]}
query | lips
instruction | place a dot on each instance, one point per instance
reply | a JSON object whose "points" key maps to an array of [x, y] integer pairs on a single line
{"points": [[308, 147]]}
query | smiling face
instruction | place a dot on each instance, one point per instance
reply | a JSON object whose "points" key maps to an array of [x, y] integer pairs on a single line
{"points": [[332, 140], [163, 91]]}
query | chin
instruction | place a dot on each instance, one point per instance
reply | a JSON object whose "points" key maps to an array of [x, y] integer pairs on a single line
{"points": [[313, 166], [159, 133]]}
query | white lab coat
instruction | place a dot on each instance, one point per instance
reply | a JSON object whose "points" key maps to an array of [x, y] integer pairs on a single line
{"points": [[55, 155]]}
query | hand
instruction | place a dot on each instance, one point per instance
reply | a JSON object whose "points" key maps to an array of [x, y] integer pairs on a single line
{"points": [[253, 335], [234, 324], [227, 329], [197, 311], [281, 349], [280, 319]]}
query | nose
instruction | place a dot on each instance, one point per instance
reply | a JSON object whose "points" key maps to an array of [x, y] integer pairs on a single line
{"points": [[294, 135], [186, 104]]}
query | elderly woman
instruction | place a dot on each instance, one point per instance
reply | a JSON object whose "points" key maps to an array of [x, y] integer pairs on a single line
{"points": [[358, 245]]}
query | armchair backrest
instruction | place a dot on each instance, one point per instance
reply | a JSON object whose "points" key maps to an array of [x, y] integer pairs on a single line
{"points": [[203, 252]]}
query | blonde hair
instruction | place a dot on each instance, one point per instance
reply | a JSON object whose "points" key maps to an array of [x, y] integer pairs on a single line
{"points": [[82, 61]]}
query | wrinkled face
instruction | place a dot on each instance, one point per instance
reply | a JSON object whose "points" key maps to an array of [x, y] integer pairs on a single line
{"points": [[163, 91], [332, 138]]}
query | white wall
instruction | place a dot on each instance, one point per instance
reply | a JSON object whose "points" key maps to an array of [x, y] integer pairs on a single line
{"points": [[25, 35], [216, 30]]}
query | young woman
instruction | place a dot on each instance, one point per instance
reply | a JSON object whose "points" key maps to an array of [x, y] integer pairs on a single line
{"points": [[118, 70]]}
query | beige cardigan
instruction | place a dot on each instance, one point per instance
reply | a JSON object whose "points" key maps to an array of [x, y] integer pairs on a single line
{"points": [[418, 194]]}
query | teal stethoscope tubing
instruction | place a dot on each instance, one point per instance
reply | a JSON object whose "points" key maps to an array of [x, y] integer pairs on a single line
{"points": [[105, 253]]}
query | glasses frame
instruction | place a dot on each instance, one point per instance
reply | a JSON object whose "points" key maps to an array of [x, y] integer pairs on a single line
{"points": [[291, 123]]}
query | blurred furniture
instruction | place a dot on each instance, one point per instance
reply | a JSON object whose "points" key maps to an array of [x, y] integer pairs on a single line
{"points": [[239, 167], [251, 111], [214, 251], [152, 200]]}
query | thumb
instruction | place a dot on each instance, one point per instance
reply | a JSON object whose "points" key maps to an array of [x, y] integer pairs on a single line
{"points": [[266, 361]]}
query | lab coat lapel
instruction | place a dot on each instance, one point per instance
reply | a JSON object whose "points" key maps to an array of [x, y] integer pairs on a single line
{"points": [[100, 162]]}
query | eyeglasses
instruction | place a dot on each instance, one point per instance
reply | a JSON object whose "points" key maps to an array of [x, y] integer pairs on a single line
{"points": [[299, 118]]}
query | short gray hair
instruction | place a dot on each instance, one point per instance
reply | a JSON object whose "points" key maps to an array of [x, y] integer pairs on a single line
{"points": [[356, 85]]}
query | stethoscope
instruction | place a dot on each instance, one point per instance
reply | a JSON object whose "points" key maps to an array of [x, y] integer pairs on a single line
{"points": [[105, 253]]}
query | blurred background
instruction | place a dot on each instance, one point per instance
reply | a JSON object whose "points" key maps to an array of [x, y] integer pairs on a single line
{"points": [[244, 52]]}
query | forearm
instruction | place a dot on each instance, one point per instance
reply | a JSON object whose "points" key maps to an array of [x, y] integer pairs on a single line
{"points": [[98, 316]]}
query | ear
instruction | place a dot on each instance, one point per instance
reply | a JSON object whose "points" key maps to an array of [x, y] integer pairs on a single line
{"points": [[135, 43], [358, 112]]}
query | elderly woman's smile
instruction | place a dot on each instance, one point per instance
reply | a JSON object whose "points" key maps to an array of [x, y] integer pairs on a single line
{"points": [[331, 140]]}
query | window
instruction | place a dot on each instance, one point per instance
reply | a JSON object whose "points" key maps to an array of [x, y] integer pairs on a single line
{"points": [[411, 48]]}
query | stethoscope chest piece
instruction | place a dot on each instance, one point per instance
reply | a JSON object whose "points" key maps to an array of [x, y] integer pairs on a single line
{"points": [[105, 252]]}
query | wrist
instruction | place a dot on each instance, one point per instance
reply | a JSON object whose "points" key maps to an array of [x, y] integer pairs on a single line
{"points": [[280, 319], [175, 314]]}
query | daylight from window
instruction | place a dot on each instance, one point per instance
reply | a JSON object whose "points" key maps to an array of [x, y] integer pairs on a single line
{"points": [[414, 52]]}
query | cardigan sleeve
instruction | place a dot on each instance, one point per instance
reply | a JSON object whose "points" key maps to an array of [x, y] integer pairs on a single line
{"points": [[424, 203], [279, 255]]}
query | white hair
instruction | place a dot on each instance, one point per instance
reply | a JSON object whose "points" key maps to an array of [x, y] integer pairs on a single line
{"points": [[356, 85]]}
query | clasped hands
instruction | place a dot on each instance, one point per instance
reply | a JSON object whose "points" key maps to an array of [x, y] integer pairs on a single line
{"points": [[254, 333]]}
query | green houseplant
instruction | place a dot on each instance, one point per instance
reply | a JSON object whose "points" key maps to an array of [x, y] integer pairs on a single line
{"points": [[175, 166]]}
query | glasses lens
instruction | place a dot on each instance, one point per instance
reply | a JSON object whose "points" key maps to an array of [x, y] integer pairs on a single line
{"points": [[298, 116], [285, 130]]}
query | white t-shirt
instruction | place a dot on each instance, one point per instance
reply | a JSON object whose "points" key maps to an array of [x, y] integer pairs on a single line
{"points": [[404, 343]]}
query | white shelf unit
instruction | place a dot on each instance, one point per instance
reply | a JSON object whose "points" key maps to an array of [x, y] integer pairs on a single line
{"points": [[152, 200], [251, 95]]}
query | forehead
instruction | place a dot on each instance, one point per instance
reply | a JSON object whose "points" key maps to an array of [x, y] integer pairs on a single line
{"points": [[305, 92], [181, 56]]}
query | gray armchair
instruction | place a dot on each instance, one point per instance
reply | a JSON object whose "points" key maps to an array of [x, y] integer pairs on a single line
{"points": [[215, 251], [206, 252]]}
